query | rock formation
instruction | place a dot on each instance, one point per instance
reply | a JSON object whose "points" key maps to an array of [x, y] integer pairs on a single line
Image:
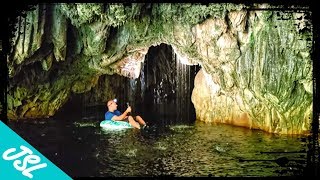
{"points": [[256, 68]]}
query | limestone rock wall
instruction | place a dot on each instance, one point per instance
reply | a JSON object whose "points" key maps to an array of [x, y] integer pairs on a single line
{"points": [[256, 67], [260, 77]]}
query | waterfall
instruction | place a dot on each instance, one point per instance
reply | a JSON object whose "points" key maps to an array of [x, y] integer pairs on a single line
{"points": [[165, 85], [161, 93]]}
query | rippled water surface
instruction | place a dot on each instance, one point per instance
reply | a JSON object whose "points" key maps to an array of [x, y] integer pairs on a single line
{"points": [[82, 148]]}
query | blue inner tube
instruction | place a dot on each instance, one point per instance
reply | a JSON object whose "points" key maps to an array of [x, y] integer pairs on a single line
{"points": [[110, 124]]}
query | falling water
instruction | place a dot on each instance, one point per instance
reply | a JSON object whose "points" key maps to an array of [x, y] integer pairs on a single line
{"points": [[165, 86], [161, 94]]}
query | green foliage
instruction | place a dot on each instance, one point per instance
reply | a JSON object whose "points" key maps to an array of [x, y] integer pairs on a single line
{"points": [[115, 15], [196, 13], [134, 10], [80, 13]]}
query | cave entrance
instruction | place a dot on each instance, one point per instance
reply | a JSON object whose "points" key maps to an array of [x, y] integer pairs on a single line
{"points": [[162, 93]]}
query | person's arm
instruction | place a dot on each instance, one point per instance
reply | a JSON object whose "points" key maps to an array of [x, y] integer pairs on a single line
{"points": [[122, 116]]}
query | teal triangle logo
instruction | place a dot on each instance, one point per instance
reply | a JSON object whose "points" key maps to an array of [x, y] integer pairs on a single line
{"points": [[19, 160]]}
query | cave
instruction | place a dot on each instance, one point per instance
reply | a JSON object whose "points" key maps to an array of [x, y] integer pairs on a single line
{"points": [[225, 83], [161, 94], [256, 69], [166, 87]]}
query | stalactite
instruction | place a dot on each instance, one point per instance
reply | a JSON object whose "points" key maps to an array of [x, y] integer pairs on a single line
{"points": [[24, 34]]}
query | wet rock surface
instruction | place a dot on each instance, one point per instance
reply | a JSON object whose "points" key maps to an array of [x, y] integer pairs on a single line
{"points": [[255, 72]]}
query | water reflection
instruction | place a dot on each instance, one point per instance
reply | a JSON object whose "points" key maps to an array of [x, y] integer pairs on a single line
{"points": [[199, 149]]}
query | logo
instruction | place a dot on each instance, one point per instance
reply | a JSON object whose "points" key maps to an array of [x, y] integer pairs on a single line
{"points": [[22, 165], [19, 160]]}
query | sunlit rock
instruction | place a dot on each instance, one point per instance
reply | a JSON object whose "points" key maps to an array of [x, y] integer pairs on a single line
{"points": [[130, 66], [238, 20]]}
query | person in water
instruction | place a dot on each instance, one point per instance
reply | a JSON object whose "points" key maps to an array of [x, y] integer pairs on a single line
{"points": [[116, 115]]}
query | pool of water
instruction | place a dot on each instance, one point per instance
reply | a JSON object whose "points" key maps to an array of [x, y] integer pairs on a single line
{"points": [[82, 148]]}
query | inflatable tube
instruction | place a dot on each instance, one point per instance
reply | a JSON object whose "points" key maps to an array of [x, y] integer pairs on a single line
{"points": [[110, 124]]}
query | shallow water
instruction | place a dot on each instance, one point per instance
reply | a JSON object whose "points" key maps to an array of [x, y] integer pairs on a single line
{"points": [[82, 148]]}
